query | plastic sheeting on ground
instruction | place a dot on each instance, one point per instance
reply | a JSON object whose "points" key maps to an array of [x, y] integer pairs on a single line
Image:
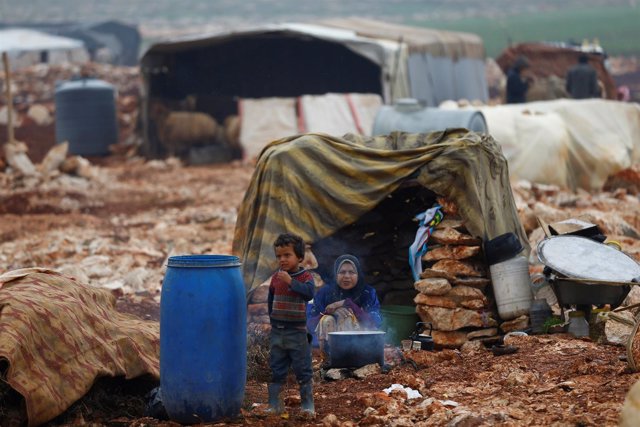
{"points": [[570, 143], [58, 336], [315, 184]]}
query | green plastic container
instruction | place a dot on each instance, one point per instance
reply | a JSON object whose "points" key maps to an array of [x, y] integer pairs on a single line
{"points": [[399, 322]]}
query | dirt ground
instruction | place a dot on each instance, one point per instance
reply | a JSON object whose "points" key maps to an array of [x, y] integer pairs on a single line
{"points": [[131, 215]]}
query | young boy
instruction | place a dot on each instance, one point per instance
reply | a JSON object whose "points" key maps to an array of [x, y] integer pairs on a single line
{"points": [[290, 288]]}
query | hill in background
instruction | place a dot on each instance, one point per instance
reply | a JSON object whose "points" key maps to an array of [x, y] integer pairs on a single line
{"points": [[499, 22]]}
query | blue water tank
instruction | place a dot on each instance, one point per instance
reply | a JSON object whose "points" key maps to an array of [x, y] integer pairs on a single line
{"points": [[203, 338], [86, 116], [407, 115]]}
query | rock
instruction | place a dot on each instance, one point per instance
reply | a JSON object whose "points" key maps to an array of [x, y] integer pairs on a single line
{"points": [[447, 319], [54, 158], [459, 268], [330, 421], [336, 374], [449, 339], [617, 332], [451, 236], [40, 115], [466, 292], [518, 377], [436, 274], [430, 358], [466, 419], [475, 304], [135, 280], [517, 324], [373, 400], [433, 286], [435, 301], [77, 165], [451, 252], [482, 333], [15, 154], [456, 224], [4, 117], [367, 370], [630, 413], [471, 347]]}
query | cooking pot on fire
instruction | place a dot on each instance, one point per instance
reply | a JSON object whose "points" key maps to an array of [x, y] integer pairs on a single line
{"points": [[426, 341], [354, 349]]}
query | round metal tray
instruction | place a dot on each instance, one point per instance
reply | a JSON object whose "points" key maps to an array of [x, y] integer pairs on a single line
{"points": [[584, 258]]}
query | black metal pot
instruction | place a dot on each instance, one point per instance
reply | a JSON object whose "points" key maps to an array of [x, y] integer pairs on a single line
{"points": [[354, 349], [426, 341]]}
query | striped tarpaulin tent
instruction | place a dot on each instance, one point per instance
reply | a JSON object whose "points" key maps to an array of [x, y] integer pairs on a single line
{"points": [[315, 184]]}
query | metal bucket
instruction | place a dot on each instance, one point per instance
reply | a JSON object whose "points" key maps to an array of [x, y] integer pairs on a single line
{"points": [[354, 349]]}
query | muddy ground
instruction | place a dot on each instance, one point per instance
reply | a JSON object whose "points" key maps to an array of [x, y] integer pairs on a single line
{"points": [[130, 215]]}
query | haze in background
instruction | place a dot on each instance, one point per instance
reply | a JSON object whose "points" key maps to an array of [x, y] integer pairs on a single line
{"points": [[498, 22]]}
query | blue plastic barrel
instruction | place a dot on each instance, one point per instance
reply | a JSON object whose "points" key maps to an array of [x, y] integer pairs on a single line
{"points": [[203, 338]]}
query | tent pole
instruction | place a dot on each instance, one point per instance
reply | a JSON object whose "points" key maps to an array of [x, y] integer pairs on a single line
{"points": [[9, 98]]}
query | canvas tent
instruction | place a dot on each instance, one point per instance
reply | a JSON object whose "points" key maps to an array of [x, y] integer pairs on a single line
{"points": [[326, 188], [27, 47], [566, 142], [293, 60], [110, 42]]}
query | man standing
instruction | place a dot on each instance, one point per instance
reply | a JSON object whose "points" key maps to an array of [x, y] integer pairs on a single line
{"points": [[582, 80], [517, 84]]}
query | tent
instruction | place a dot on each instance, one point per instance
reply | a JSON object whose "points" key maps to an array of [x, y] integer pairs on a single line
{"points": [[110, 42], [565, 142], [360, 195], [292, 60], [27, 47]]}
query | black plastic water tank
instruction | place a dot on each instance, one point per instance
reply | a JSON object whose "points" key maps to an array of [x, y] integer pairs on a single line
{"points": [[86, 116]]}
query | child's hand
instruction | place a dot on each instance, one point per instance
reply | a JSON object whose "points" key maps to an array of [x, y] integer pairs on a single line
{"points": [[284, 276]]}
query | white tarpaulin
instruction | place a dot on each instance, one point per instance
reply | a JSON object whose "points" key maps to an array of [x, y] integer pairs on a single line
{"points": [[338, 113], [265, 120], [571, 143]]}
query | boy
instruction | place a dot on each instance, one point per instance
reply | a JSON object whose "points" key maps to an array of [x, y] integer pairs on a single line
{"points": [[290, 288]]}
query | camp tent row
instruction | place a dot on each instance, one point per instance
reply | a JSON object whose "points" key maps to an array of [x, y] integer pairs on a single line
{"points": [[291, 60]]}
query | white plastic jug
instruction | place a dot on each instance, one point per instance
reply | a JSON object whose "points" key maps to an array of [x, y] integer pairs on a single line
{"points": [[512, 287]]}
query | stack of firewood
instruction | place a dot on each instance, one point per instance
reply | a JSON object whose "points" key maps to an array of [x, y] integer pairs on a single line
{"points": [[453, 289]]}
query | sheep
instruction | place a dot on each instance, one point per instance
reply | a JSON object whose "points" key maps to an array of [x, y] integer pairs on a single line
{"points": [[180, 130]]}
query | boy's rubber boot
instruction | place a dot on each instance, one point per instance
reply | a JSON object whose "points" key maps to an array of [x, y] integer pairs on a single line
{"points": [[306, 399], [276, 406]]}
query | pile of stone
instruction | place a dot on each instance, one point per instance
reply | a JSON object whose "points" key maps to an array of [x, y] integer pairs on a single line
{"points": [[33, 90], [454, 295]]}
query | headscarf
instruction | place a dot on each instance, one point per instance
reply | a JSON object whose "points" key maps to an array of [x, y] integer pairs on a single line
{"points": [[355, 292]]}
